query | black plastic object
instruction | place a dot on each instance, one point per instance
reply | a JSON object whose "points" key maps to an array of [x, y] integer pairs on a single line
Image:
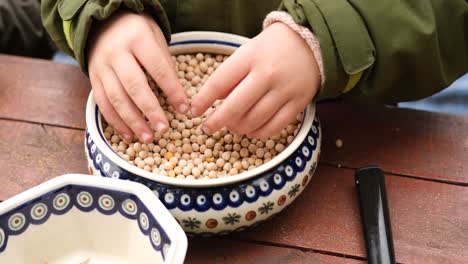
{"points": [[370, 183]]}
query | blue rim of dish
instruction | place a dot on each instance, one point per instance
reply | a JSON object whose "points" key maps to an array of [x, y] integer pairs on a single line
{"points": [[205, 41], [86, 199]]}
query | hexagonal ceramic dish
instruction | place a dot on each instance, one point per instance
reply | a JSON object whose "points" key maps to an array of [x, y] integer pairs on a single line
{"points": [[91, 220]]}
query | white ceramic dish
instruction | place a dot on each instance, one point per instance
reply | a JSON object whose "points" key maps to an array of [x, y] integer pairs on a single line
{"points": [[79, 218]]}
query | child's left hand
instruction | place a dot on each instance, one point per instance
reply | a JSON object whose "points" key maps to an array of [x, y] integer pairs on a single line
{"points": [[265, 83]]}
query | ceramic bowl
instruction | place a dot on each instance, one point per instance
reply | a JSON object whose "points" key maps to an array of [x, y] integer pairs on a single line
{"points": [[222, 205], [84, 219]]}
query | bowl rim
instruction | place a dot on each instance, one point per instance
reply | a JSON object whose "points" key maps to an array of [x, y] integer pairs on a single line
{"points": [[175, 233], [94, 128]]}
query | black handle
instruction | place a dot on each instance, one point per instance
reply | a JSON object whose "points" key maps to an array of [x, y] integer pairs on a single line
{"points": [[370, 183]]}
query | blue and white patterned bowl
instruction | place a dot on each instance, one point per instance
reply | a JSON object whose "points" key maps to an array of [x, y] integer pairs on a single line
{"points": [[223, 205], [78, 218]]}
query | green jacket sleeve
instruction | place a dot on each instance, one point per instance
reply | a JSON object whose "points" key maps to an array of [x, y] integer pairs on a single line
{"points": [[399, 50], [69, 22], [21, 32], [394, 50]]}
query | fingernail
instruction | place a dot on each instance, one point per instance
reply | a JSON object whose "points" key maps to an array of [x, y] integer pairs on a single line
{"points": [[206, 130], [160, 126], [183, 108], [146, 137], [194, 111]]}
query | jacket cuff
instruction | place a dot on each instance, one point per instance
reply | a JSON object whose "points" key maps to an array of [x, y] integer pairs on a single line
{"points": [[78, 17], [303, 32], [346, 47]]}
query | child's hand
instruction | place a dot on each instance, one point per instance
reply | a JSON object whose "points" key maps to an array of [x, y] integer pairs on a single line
{"points": [[266, 83], [124, 44]]}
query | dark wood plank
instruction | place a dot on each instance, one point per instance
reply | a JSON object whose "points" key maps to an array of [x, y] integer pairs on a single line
{"points": [[430, 220], [402, 141], [43, 92], [32, 154], [215, 250]]}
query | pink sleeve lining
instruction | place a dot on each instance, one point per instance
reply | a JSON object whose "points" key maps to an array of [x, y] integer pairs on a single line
{"points": [[305, 33]]}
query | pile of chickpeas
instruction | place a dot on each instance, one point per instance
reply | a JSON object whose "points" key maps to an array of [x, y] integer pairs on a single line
{"points": [[185, 151]]}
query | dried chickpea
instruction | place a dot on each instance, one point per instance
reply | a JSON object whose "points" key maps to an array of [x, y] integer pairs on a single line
{"points": [[220, 163], [149, 161], [227, 167], [130, 152], [115, 139], [245, 164], [141, 164], [196, 172], [187, 148], [260, 152], [279, 147], [270, 144], [186, 171], [244, 152], [137, 147], [232, 160], [252, 148], [228, 147], [143, 154]]}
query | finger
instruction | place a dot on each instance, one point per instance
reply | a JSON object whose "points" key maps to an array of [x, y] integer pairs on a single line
{"points": [[159, 65], [136, 85], [226, 77], [238, 103], [160, 39], [280, 120], [261, 112], [108, 111], [124, 106]]}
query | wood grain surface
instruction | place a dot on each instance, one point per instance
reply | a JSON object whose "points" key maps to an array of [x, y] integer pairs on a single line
{"points": [[422, 144], [429, 218], [216, 250], [424, 154], [32, 154], [43, 92]]}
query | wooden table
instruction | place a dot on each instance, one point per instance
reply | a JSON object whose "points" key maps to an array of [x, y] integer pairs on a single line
{"points": [[424, 155]]}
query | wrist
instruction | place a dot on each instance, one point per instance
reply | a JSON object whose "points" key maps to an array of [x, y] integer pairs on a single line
{"points": [[305, 33]]}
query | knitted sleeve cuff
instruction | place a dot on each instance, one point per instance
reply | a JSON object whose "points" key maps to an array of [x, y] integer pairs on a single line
{"points": [[305, 33]]}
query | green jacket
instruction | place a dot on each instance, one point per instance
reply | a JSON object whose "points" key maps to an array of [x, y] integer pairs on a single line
{"points": [[21, 31], [394, 50]]}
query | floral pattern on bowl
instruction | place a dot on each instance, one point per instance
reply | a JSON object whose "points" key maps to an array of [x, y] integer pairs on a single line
{"points": [[271, 192]]}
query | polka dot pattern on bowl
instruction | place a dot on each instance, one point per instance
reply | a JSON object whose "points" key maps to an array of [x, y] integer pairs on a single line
{"points": [[86, 199]]}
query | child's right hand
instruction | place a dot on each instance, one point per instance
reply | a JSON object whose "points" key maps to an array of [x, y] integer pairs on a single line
{"points": [[123, 44]]}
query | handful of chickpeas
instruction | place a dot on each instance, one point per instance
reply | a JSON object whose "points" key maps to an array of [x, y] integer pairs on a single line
{"points": [[185, 151]]}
